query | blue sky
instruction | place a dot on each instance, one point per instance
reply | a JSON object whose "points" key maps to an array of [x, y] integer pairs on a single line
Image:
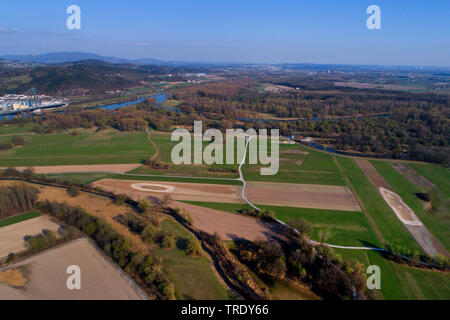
{"points": [[321, 31]]}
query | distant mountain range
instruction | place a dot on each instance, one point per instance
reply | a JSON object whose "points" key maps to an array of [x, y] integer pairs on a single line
{"points": [[61, 57], [75, 56]]}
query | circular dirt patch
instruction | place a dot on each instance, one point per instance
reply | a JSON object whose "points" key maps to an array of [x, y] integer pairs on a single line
{"points": [[151, 187]]}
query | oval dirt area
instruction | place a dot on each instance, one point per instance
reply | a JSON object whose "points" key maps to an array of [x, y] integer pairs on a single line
{"points": [[151, 187]]}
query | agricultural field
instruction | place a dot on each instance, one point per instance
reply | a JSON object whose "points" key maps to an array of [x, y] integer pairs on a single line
{"points": [[12, 235], [15, 129], [297, 165], [89, 147], [343, 228], [19, 218], [43, 276], [182, 269], [401, 282], [437, 221], [384, 221], [300, 165], [193, 277]]}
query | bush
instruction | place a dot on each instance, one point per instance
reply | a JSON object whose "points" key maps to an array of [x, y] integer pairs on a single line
{"points": [[144, 206], [28, 173], [18, 140], [120, 199], [149, 233], [168, 241], [301, 225], [193, 248], [6, 145], [73, 192]]}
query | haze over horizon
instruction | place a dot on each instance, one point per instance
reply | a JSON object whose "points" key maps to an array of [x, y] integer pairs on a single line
{"points": [[414, 33]]}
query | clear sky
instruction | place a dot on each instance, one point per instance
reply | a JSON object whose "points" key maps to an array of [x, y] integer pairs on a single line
{"points": [[269, 31]]}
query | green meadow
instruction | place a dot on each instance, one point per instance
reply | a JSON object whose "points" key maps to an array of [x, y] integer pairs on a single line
{"points": [[295, 167], [387, 223], [89, 147], [19, 218], [15, 129], [192, 277], [437, 222], [401, 282]]}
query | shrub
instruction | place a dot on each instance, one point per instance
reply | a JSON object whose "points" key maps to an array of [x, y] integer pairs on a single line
{"points": [[144, 205], [18, 140], [73, 192], [193, 248], [168, 241], [301, 225], [6, 145], [120, 199], [28, 172]]}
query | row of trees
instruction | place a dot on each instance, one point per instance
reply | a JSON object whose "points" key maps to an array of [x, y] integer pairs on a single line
{"points": [[146, 269], [17, 199]]}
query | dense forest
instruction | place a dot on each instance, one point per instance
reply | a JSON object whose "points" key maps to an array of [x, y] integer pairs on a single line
{"points": [[87, 77]]}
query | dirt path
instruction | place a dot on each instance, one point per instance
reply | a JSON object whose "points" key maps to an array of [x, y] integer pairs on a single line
{"points": [[156, 155], [372, 174]]}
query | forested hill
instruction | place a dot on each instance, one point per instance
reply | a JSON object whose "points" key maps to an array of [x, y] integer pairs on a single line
{"points": [[84, 77]]}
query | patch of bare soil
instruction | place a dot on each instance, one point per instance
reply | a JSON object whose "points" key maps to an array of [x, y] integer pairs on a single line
{"points": [[46, 276], [302, 196], [228, 225], [412, 175], [294, 151], [12, 277], [372, 174], [181, 191], [12, 237]]}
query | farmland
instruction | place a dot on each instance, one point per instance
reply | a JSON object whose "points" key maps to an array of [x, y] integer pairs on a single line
{"points": [[344, 227], [390, 229], [176, 262], [19, 218], [401, 282], [437, 222], [348, 211], [12, 235], [297, 165], [193, 277], [86, 147], [45, 276]]}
